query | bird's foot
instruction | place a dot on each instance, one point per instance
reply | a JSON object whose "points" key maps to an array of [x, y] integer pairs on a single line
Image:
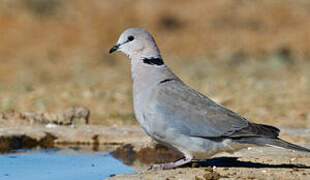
{"points": [[170, 165]]}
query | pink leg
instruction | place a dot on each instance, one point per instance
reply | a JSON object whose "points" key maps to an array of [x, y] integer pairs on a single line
{"points": [[171, 165]]}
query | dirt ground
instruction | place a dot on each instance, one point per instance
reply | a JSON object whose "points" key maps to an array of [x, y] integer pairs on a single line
{"points": [[132, 146]]}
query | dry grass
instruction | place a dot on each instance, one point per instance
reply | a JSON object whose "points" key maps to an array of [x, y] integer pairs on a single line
{"points": [[249, 55], [266, 91]]}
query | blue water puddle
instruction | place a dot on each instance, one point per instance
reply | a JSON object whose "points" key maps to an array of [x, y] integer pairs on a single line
{"points": [[52, 164]]}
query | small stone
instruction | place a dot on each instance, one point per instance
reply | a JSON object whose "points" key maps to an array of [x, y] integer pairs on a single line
{"points": [[212, 176], [195, 165], [295, 169], [76, 115], [51, 125], [209, 168], [198, 178]]}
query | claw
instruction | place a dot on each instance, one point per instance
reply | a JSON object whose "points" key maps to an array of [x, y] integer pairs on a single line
{"points": [[170, 165], [154, 167]]}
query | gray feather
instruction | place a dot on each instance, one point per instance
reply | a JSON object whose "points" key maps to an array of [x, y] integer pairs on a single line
{"points": [[180, 117], [276, 142], [194, 114]]}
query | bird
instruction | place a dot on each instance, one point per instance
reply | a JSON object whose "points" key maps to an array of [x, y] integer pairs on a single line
{"points": [[181, 118]]}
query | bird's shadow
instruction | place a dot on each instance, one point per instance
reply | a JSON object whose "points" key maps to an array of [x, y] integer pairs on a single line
{"points": [[234, 162]]}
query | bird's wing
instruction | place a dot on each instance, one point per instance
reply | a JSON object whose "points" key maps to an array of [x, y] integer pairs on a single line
{"points": [[193, 114]]}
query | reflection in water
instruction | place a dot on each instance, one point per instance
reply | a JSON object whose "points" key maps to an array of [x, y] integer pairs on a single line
{"points": [[147, 155], [59, 164]]}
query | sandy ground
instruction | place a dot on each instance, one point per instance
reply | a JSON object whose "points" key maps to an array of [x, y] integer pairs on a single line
{"points": [[131, 145]]}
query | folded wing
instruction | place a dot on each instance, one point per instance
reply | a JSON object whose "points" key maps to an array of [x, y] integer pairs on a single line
{"points": [[193, 114]]}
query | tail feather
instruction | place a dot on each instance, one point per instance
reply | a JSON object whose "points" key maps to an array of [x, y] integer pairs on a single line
{"points": [[274, 142], [287, 145]]}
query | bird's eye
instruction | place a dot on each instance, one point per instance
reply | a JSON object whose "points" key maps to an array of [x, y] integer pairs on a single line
{"points": [[130, 38]]}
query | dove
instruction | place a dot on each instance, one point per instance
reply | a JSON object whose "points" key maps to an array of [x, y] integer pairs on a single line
{"points": [[181, 118]]}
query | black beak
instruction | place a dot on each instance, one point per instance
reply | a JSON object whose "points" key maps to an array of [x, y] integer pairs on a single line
{"points": [[114, 48]]}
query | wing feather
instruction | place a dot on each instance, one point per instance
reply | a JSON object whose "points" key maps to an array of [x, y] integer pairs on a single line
{"points": [[191, 113]]}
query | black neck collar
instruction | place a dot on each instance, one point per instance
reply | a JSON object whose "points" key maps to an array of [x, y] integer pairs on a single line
{"points": [[153, 61]]}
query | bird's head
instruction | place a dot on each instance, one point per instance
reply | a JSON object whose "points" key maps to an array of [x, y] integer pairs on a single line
{"points": [[137, 44]]}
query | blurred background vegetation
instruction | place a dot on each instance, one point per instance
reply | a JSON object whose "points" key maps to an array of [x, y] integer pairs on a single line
{"points": [[252, 56]]}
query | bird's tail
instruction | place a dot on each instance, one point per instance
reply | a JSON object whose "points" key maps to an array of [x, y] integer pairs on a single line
{"points": [[274, 142]]}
